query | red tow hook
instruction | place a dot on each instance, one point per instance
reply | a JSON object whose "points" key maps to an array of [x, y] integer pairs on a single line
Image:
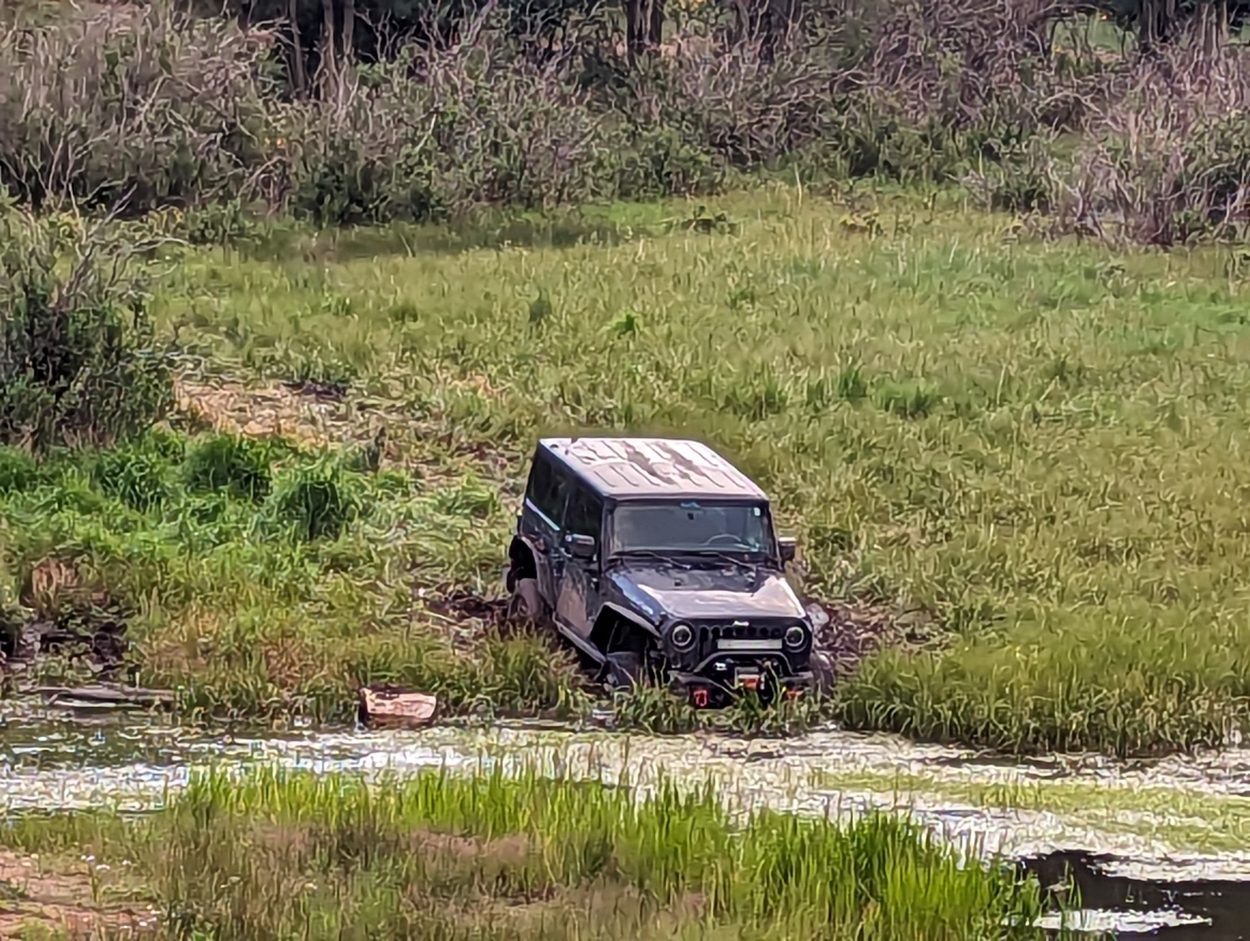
{"points": [[699, 697]]}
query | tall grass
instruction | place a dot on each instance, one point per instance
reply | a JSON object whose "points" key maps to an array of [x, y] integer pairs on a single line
{"points": [[1037, 443], [301, 856], [254, 603]]}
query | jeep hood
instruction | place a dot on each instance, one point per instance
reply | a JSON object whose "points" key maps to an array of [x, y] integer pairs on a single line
{"points": [[728, 593]]}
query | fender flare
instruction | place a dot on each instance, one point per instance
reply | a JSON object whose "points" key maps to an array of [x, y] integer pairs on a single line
{"points": [[627, 615], [541, 565]]}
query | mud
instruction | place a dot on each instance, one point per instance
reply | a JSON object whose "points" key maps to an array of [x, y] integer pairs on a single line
{"points": [[59, 617], [42, 896], [848, 631], [463, 605]]}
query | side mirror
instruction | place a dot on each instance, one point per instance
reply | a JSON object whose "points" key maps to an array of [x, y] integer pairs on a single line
{"points": [[579, 546], [788, 546]]}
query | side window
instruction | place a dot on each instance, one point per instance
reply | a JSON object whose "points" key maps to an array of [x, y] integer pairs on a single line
{"points": [[585, 514], [546, 489]]}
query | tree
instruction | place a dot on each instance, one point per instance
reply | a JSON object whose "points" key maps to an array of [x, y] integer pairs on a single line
{"points": [[767, 22], [1158, 22], [644, 26], [321, 36]]}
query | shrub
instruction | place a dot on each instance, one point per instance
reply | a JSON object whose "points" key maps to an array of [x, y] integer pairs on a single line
{"points": [[18, 471], [133, 103], [225, 463], [316, 501], [1170, 161], [137, 478], [78, 360]]}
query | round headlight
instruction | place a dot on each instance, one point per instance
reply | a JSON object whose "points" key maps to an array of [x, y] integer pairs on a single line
{"points": [[796, 636], [682, 636]]}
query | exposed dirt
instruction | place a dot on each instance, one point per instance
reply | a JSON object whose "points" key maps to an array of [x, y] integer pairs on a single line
{"points": [[854, 629], [465, 605], [34, 894], [318, 414], [262, 411]]}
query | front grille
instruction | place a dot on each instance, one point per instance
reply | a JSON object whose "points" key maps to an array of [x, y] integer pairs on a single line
{"points": [[710, 634]]}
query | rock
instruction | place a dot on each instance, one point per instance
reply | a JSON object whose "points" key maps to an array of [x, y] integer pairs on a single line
{"points": [[394, 708]]}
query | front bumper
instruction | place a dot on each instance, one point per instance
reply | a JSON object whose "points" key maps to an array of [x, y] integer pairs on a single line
{"points": [[709, 690]]}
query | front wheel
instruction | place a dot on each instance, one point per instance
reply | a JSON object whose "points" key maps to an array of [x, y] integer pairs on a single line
{"points": [[823, 674], [623, 670]]}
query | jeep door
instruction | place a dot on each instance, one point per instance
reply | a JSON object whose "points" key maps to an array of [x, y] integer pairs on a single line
{"points": [[542, 514], [577, 600]]}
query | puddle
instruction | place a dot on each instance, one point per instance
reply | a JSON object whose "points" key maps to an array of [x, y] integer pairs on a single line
{"points": [[1130, 908], [1135, 837]]}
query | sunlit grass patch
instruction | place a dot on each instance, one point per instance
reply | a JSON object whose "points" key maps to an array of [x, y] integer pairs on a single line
{"points": [[1036, 442], [296, 855]]}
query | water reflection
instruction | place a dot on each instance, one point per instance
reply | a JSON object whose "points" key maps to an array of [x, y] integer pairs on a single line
{"points": [[1130, 882]]}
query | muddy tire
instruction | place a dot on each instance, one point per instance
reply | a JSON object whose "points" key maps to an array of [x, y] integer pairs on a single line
{"points": [[822, 672], [526, 604], [623, 670]]}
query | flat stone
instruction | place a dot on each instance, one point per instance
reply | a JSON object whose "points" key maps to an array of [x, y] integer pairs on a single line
{"points": [[385, 707]]}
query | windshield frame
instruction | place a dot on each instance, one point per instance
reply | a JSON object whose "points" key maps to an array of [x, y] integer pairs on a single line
{"points": [[770, 552]]}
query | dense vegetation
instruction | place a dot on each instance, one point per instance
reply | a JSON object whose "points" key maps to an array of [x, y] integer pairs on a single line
{"points": [[285, 457], [301, 856], [427, 111]]}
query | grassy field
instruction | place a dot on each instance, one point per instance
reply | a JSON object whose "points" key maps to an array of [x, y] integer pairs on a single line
{"points": [[1036, 443], [302, 856]]}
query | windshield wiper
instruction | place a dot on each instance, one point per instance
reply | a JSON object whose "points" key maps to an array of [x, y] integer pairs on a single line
{"points": [[724, 557], [650, 554]]}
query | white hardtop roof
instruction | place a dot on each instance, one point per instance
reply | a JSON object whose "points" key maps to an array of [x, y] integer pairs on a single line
{"points": [[653, 467]]}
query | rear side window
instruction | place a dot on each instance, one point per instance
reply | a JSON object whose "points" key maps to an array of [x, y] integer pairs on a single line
{"points": [[547, 489], [585, 514]]}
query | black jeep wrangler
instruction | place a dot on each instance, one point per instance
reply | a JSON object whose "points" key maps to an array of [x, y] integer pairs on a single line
{"points": [[657, 559]]}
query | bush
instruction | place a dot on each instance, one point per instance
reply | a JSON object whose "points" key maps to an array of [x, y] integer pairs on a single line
{"points": [[1169, 163], [78, 360], [316, 502], [236, 466], [438, 133], [18, 471], [135, 104], [135, 477]]}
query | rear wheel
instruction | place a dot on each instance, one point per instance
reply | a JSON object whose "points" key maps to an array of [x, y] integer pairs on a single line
{"points": [[526, 604]]}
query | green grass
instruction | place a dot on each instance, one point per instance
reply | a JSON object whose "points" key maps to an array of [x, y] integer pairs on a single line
{"points": [[1037, 442], [440, 856], [259, 601]]}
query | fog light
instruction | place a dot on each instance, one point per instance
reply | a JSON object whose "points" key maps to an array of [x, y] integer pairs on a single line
{"points": [[681, 636], [795, 637]]}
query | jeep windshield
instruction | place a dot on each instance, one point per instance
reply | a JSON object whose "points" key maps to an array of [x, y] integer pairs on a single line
{"points": [[690, 527]]}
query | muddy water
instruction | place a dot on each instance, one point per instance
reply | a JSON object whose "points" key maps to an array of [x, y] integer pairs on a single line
{"points": [[1171, 866]]}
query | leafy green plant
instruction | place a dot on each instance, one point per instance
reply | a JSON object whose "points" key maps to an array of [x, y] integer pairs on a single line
{"points": [[134, 476], [225, 462], [316, 501], [79, 361]]}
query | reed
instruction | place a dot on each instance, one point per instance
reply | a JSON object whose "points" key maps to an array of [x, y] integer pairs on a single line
{"points": [[295, 855]]}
